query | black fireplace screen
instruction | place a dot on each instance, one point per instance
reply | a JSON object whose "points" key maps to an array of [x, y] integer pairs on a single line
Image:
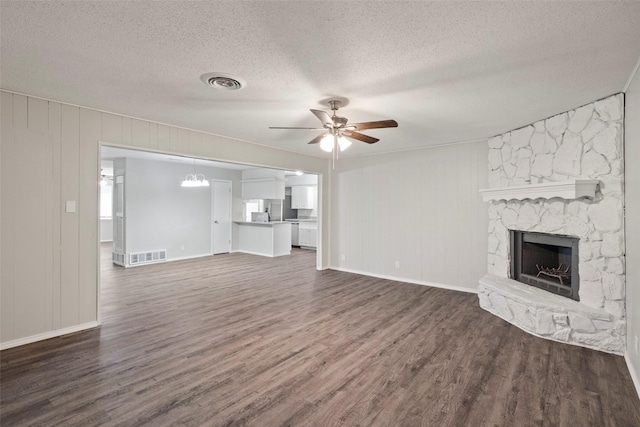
{"points": [[546, 261]]}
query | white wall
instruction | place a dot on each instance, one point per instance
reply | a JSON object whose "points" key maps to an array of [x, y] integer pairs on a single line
{"points": [[106, 230], [160, 214], [49, 258], [632, 201], [420, 208]]}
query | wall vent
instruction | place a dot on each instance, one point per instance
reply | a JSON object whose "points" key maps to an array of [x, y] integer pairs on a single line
{"points": [[148, 257]]}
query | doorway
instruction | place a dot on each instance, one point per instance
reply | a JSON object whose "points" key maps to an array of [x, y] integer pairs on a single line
{"points": [[221, 217]]}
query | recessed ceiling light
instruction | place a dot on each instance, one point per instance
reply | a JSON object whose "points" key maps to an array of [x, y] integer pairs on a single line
{"points": [[223, 81]]}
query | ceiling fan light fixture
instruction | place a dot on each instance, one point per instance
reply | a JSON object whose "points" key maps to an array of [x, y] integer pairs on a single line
{"points": [[343, 143], [326, 144], [223, 81]]}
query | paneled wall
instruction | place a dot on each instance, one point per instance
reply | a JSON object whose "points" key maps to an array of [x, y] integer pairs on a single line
{"points": [[415, 215], [49, 154], [632, 205]]}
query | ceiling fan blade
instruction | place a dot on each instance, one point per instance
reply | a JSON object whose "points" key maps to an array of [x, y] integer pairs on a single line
{"points": [[360, 137], [288, 127], [318, 138], [374, 125], [324, 117]]}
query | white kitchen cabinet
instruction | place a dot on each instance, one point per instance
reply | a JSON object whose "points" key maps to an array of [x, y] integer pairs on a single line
{"points": [[294, 234], [308, 234], [303, 197]]}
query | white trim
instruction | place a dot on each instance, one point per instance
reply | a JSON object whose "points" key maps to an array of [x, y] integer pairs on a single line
{"points": [[48, 335], [634, 375], [213, 202], [180, 258], [632, 76], [261, 254], [568, 190], [405, 280]]}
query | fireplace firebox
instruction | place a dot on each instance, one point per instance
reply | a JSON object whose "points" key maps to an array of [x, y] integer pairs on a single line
{"points": [[546, 261]]}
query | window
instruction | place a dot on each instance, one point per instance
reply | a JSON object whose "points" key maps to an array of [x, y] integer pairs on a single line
{"points": [[106, 194], [251, 206]]}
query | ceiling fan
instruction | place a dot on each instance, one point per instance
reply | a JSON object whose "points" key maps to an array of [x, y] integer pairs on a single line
{"points": [[337, 129]]}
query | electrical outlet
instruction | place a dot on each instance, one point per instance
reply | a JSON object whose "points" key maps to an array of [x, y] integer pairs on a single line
{"points": [[343, 257], [636, 344], [182, 247], [397, 264]]}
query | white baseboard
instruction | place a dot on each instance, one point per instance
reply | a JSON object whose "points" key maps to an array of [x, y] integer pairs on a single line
{"points": [[634, 375], [414, 282], [261, 254], [189, 257], [47, 335]]}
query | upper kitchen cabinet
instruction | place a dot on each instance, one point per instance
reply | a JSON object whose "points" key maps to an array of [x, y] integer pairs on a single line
{"points": [[304, 191], [304, 197], [262, 184]]}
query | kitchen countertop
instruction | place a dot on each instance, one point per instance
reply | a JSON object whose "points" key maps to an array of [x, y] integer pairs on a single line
{"points": [[302, 220], [261, 223]]}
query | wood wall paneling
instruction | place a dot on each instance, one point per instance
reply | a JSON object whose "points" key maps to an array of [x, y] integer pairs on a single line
{"points": [[409, 220], [38, 115], [55, 119], [140, 133], [69, 224], [126, 130], [89, 212], [30, 244], [153, 136], [632, 206], [20, 112], [420, 208], [195, 142], [164, 138], [7, 214], [183, 141], [111, 128]]}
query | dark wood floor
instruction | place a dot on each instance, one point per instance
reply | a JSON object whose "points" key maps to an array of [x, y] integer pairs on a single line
{"points": [[244, 340]]}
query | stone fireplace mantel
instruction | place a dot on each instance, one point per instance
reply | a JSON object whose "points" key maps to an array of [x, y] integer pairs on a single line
{"points": [[567, 190]]}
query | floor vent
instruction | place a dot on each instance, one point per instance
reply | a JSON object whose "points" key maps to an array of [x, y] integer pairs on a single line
{"points": [[148, 257]]}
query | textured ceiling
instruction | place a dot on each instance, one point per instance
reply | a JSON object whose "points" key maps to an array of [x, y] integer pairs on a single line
{"points": [[446, 71]]}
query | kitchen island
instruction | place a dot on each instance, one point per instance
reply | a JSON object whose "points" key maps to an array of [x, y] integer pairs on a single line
{"points": [[270, 239]]}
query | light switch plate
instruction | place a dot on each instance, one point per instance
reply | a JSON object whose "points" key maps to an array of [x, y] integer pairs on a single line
{"points": [[70, 206]]}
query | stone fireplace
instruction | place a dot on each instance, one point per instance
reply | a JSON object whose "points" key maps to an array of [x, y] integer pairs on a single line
{"points": [[563, 178]]}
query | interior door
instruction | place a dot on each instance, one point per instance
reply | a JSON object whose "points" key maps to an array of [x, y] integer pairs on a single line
{"points": [[221, 227]]}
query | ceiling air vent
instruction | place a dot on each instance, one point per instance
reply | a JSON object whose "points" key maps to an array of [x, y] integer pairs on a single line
{"points": [[222, 81]]}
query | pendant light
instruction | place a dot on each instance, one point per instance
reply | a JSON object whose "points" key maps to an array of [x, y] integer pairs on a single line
{"points": [[195, 179]]}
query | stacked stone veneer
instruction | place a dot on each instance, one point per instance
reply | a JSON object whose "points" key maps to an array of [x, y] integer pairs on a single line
{"points": [[585, 143]]}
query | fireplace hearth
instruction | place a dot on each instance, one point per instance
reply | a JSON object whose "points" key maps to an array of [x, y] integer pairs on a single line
{"points": [[546, 261]]}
